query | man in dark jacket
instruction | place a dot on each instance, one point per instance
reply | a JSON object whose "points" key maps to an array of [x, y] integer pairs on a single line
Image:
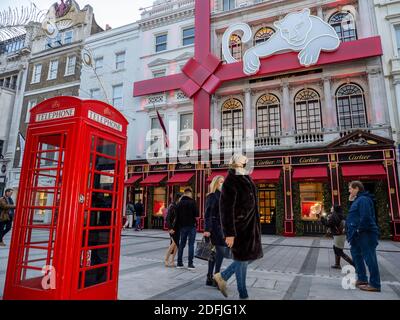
{"points": [[241, 226], [139, 210], [186, 214], [7, 208], [362, 234]]}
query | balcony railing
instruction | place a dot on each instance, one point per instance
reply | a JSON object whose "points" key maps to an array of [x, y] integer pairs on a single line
{"points": [[165, 8], [304, 138]]}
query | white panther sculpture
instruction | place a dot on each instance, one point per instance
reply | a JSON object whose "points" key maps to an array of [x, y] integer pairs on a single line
{"points": [[299, 32]]}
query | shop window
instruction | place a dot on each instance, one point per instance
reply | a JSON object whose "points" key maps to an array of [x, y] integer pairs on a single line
{"points": [[263, 35], [308, 111], [350, 104], [344, 25], [159, 198], [267, 203], [268, 116], [311, 195]]}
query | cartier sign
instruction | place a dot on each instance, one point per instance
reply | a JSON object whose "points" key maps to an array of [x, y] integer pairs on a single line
{"points": [[268, 162], [361, 156], [159, 168], [181, 166], [310, 159]]}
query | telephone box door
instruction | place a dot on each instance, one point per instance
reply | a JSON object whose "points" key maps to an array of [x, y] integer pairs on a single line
{"points": [[101, 217], [37, 240]]}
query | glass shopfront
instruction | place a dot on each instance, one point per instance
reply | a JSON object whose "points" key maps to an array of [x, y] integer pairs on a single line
{"points": [[311, 197], [267, 207]]}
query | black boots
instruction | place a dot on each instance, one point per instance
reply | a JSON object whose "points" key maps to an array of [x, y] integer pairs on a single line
{"points": [[210, 280], [337, 263]]}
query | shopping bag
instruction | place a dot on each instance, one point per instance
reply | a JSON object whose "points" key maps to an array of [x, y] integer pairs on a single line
{"points": [[204, 249]]}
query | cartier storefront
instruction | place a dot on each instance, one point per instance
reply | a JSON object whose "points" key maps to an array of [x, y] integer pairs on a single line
{"points": [[295, 187]]}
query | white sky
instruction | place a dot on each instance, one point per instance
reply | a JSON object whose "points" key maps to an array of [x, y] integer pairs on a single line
{"points": [[116, 13]]}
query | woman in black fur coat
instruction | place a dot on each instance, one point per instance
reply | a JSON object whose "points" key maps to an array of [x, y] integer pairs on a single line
{"points": [[240, 224]]}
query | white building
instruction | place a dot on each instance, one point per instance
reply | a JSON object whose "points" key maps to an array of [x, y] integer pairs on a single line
{"points": [[115, 64], [388, 21]]}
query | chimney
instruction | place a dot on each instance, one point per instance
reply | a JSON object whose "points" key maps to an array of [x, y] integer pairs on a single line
{"points": [[108, 27]]}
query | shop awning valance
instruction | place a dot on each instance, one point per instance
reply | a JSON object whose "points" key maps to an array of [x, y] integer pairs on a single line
{"points": [[362, 171], [310, 173], [132, 180], [180, 178], [267, 175], [153, 180], [215, 173]]}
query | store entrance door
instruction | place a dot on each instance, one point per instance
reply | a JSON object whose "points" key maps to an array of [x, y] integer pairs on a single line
{"points": [[267, 208]]}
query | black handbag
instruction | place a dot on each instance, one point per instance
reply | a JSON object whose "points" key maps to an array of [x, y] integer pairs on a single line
{"points": [[205, 249]]}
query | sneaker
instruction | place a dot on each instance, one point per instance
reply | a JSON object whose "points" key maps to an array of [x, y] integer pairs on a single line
{"points": [[179, 266], [221, 283], [2, 244], [191, 267], [369, 288]]}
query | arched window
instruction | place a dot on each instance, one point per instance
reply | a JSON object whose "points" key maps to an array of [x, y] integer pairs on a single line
{"points": [[235, 45], [263, 35], [308, 111], [344, 25], [268, 116], [350, 104], [232, 119]]}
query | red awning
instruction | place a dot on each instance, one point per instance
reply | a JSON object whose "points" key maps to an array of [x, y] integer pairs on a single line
{"points": [[267, 175], [153, 180], [311, 173], [362, 171], [180, 178], [215, 173], [133, 179]]}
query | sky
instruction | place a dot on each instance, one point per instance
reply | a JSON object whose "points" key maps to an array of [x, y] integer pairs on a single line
{"points": [[116, 13]]}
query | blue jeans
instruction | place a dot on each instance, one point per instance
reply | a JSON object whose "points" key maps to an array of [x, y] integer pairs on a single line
{"points": [[187, 232], [239, 268], [216, 261], [363, 248], [138, 221]]}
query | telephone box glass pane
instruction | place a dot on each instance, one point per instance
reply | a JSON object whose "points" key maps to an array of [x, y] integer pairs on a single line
{"points": [[95, 276], [100, 218], [102, 200], [42, 207], [106, 147], [99, 237]]}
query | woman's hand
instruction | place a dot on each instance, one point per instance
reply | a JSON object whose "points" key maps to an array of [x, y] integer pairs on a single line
{"points": [[172, 231], [229, 241], [206, 234]]}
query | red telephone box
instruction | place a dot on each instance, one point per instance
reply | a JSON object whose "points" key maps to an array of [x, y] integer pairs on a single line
{"points": [[66, 239]]}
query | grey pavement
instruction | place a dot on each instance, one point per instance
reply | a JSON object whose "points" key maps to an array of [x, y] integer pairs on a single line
{"points": [[291, 269]]}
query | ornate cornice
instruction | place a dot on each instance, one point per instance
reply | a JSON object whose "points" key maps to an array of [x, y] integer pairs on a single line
{"points": [[162, 20]]}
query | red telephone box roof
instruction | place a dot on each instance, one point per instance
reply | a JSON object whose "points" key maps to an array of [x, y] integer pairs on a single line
{"points": [[267, 175], [180, 178], [310, 173], [153, 180], [132, 180], [372, 170], [65, 108]]}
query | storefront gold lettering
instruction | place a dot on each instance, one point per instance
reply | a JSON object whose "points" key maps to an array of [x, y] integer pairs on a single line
{"points": [[308, 160], [266, 162], [355, 157]]}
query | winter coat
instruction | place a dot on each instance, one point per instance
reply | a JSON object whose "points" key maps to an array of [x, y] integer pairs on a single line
{"points": [[139, 209], [171, 216], [240, 217], [212, 219], [130, 209], [361, 217], [186, 213], [335, 222], [6, 209]]}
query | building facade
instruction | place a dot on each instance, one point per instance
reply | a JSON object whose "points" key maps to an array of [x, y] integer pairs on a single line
{"points": [[388, 24], [53, 70], [316, 128]]}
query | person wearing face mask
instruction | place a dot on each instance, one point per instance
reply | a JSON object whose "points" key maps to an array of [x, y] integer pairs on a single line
{"points": [[213, 229], [335, 221], [363, 234], [240, 222]]}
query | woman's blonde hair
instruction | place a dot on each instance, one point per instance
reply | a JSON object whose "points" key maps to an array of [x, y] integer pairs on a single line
{"points": [[214, 184], [237, 161]]}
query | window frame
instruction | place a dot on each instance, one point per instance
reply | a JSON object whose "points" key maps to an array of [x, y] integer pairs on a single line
{"points": [[35, 73], [308, 116], [67, 66], [118, 63], [71, 37], [188, 37], [114, 98], [51, 71], [162, 43], [230, 3], [232, 114], [30, 105], [342, 36], [278, 126], [96, 67], [350, 105]]}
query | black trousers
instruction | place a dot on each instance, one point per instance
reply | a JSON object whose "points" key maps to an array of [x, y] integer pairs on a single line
{"points": [[5, 227]]}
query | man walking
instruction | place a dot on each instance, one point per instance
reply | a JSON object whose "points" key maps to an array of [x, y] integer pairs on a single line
{"points": [[6, 214], [139, 210], [363, 234], [186, 214]]}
